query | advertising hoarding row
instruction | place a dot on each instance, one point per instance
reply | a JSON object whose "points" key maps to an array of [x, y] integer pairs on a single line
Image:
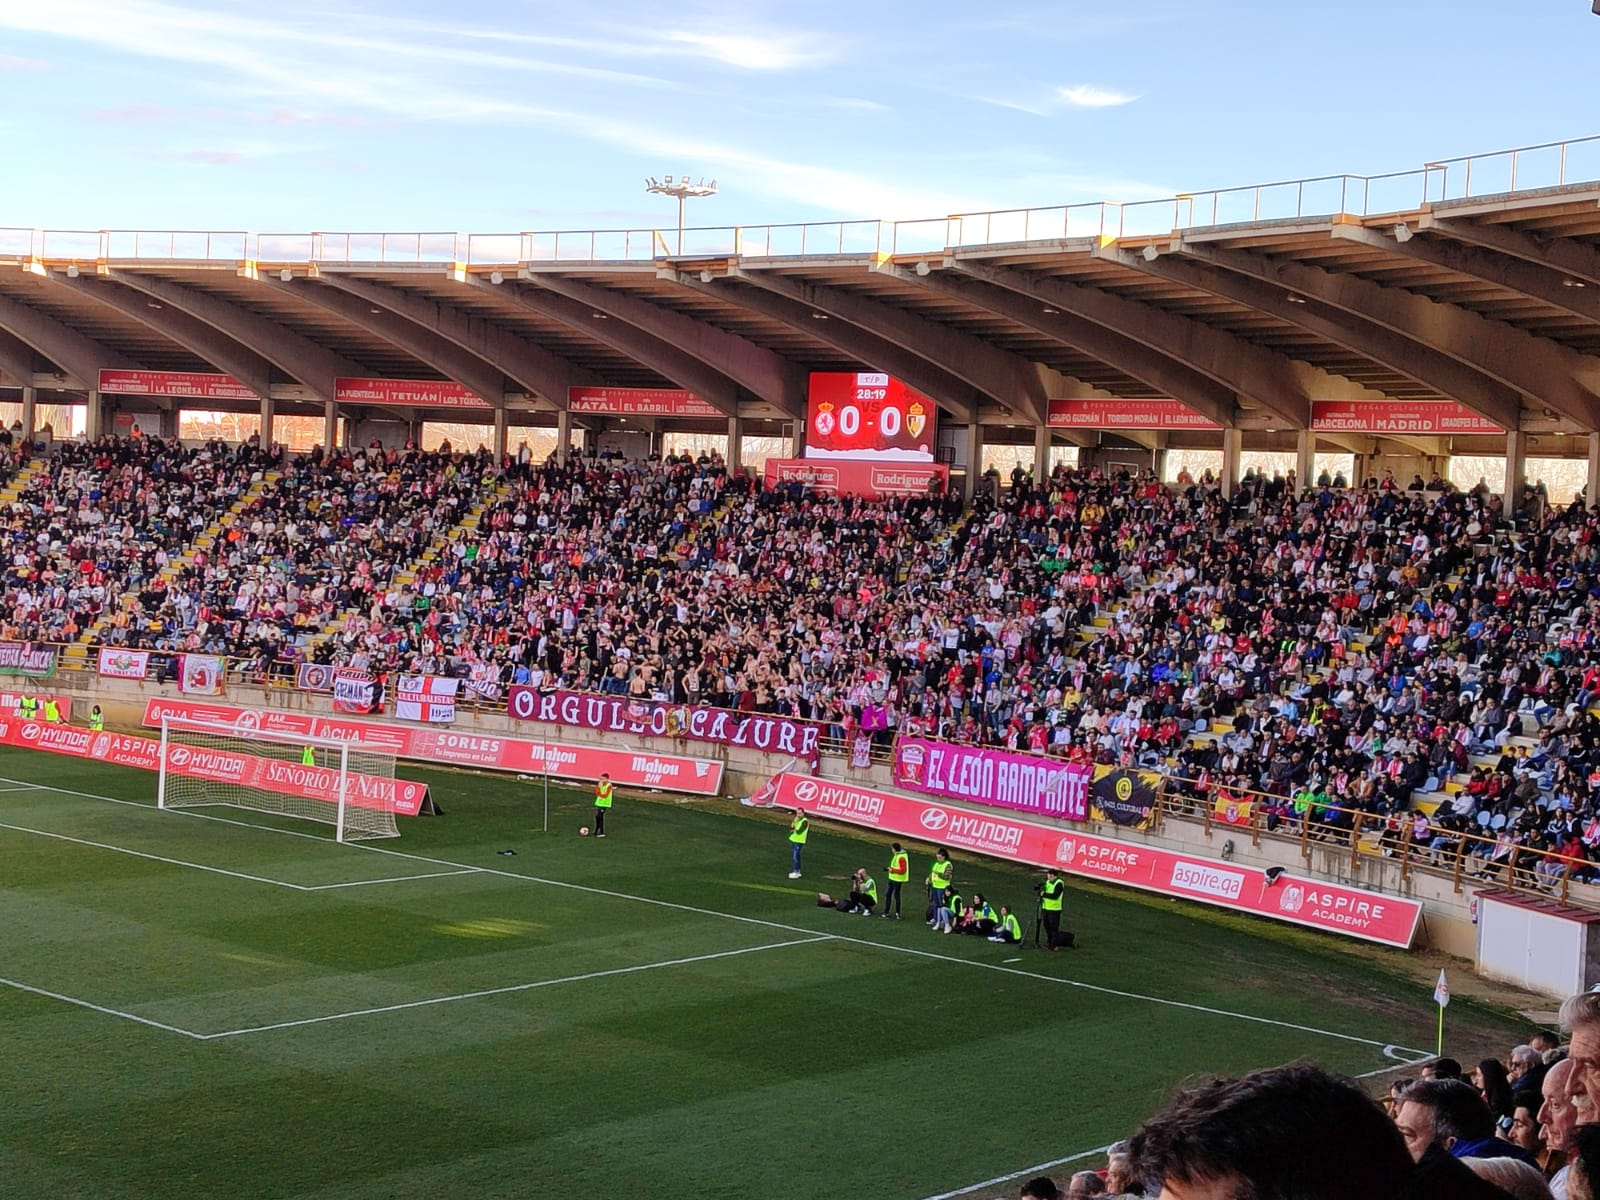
{"points": [[1333, 908]]}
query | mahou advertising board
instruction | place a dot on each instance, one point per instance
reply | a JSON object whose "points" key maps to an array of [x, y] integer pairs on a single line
{"points": [[455, 747], [1331, 907]]}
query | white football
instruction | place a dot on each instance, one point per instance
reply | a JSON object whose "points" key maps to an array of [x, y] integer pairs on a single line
{"points": [[583, 832]]}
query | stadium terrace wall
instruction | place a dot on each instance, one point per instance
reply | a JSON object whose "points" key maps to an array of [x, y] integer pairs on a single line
{"points": [[1448, 917]]}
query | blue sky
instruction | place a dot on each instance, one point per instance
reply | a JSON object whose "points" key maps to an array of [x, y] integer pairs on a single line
{"points": [[506, 115]]}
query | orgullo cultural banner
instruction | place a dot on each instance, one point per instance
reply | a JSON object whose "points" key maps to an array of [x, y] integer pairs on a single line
{"points": [[1399, 416], [122, 664], [314, 677], [11, 703], [354, 691], [201, 675], [1032, 783], [1332, 907], [629, 768], [788, 736], [1124, 797], [1106, 413], [404, 796], [430, 698], [188, 385], [34, 659]]}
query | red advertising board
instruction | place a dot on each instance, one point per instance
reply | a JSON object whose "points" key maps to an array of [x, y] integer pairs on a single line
{"points": [[419, 393], [1332, 907], [187, 385], [1097, 413], [643, 718], [858, 477], [1398, 416], [218, 765], [1050, 787], [867, 414], [669, 772], [639, 402]]}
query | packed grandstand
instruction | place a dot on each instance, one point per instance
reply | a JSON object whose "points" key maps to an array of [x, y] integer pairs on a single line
{"points": [[1416, 663]]}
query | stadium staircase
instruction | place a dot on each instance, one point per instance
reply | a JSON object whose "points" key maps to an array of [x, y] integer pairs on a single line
{"points": [[76, 655], [20, 482], [406, 576]]}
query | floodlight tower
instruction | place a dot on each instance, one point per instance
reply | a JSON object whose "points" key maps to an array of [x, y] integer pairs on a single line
{"points": [[682, 188]]}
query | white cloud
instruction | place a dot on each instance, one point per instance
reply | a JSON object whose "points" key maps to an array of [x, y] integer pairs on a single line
{"points": [[1086, 95], [770, 51]]}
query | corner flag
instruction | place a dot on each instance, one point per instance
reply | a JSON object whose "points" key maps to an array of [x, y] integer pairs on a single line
{"points": [[1441, 997]]}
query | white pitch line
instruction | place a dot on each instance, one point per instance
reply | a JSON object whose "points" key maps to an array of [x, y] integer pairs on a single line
{"points": [[711, 912], [1036, 1169], [176, 862], [328, 887], [502, 991], [26, 787], [100, 1008]]}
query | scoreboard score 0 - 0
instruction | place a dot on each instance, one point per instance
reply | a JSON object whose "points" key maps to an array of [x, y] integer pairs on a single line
{"points": [[867, 414]]}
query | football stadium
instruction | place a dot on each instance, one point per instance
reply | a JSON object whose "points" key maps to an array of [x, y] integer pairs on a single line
{"points": [[1099, 699]]}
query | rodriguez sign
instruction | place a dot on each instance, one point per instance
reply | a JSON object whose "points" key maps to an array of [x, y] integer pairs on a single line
{"points": [[1389, 920]]}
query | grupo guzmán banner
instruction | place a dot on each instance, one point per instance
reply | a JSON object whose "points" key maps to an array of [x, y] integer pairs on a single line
{"points": [[1335, 908]]}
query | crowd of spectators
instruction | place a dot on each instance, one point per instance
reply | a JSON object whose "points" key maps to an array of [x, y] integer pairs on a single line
{"points": [[1526, 1128], [1327, 650]]}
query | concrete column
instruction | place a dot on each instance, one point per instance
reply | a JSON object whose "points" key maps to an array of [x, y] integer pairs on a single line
{"points": [[330, 425], [1232, 448], [735, 443], [29, 396], [1591, 490], [563, 435], [1041, 455], [1305, 458], [1158, 462], [797, 443], [92, 419], [499, 432], [1516, 468], [414, 429], [974, 457], [267, 412]]}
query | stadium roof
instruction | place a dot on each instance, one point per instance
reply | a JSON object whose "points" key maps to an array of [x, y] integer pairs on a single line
{"points": [[1475, 281]]}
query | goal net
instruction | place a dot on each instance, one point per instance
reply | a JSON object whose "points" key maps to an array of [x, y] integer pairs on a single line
{"points": [[349, 785]]}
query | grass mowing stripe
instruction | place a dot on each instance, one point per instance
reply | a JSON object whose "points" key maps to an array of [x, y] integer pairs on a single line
{"points": [[175, 862], [516, 987], [711, 912], [100, 1008]]}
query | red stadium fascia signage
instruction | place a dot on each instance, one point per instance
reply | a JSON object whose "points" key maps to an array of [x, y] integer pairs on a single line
{"points": [[181, 385], [1332, 907], [1096, 413], [416, 393], [404, 796], [1398, 416], [669, 772], [867, 415], [858, 477], [639, 402]]}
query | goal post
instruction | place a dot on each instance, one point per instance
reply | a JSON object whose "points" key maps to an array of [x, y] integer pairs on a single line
{"points": [[347, 784]]}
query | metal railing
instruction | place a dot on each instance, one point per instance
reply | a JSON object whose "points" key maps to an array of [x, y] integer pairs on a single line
{"points": [[1550, 165]]}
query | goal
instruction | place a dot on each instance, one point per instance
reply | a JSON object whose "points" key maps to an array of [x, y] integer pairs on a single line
{"points": [[349, 785]]}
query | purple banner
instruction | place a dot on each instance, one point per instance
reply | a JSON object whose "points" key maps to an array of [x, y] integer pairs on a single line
{"points": [[1026, 782], [617, 714]]}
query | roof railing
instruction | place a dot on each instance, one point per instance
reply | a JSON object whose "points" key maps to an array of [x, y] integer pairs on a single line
{"points": [[1547, 166]]}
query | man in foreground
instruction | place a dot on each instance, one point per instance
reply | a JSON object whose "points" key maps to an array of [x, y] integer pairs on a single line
{"points": [[1290, 1133]]}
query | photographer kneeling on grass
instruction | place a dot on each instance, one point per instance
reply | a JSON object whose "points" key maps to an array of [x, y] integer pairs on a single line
{"points": [[863, 897]]}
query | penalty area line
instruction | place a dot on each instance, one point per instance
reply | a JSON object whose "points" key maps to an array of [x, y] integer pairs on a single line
{"points": [[101, 1008], [1036, 1169]]}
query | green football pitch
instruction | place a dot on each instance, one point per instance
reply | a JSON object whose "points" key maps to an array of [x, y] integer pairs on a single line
{"points": [[214, 1002]]}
